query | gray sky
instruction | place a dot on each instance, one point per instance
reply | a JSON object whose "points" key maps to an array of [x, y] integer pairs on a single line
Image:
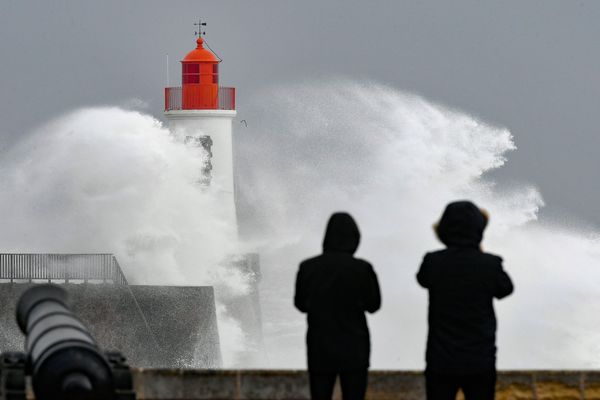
{"points": [[530, 66]]}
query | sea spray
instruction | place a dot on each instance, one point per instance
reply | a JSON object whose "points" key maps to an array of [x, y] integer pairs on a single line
{"points": [[111, 180], [394, 160]]}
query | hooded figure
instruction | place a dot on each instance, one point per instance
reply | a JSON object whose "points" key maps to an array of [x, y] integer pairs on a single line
{"points": [[335, 290], [462, 225], [462, 281]]}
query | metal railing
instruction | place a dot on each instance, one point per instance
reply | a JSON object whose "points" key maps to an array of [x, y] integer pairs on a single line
{"points": [[173, 98], [61, 267], [226, 98], [174, 95]]}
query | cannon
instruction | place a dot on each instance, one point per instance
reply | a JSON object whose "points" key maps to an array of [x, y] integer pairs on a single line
{"points": [[61, 356]]}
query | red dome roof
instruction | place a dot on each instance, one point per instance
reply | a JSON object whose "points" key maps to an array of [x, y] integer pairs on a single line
{"points": [[200, 54]]}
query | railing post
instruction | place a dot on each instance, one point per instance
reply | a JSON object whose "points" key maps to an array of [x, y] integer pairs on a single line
{"points": [[32, 267], [66, 273]]}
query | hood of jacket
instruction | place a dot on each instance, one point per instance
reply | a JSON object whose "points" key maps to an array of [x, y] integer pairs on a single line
{"points": [[462, 225], [342, 234]]}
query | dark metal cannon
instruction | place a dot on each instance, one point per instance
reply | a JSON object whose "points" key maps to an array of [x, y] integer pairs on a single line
{"points": [[61, 356]]}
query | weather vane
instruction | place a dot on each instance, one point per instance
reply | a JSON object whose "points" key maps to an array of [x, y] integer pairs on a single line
{"points": [[200, 24]]}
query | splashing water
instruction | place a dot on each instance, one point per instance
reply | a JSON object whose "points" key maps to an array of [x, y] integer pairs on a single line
{"points": [[106, 179], [110, 180], [394, 160]]}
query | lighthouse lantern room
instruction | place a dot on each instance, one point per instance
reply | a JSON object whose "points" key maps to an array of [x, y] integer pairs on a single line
{"points": [[200, 113], [200, 88]]}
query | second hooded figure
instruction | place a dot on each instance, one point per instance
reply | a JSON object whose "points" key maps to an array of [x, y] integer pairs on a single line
{"points": [[462, 281], [335, 289]]}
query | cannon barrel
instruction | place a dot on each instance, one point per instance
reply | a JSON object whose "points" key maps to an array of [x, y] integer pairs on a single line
{"points": [[61, 355]]}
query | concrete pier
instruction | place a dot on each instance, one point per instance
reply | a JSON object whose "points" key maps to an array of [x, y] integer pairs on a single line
{"points": [[154, 326], [383, 385]]}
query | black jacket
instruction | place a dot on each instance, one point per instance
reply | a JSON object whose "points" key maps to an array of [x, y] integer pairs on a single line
{"points": [[462, 282], [335, 289]]}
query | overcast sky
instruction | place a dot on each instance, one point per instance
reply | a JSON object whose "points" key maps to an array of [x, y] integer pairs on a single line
{"points": [[530, 66]]}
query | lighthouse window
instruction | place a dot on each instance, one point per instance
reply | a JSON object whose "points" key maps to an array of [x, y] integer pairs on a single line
{"points": [[191, 73], [191, 78], [215, 78], [191, 68]]}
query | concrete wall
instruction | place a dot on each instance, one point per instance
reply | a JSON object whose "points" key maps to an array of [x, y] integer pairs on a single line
{"points": [[247, 312], [384, 385], [154, 326]]}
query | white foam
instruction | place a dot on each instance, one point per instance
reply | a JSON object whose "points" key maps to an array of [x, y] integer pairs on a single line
{"points": [[394, 160], [107, 179], [111, 180]]}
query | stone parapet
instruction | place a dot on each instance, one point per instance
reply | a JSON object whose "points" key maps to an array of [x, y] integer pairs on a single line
{"points": [[153, 326], [383, 385]]}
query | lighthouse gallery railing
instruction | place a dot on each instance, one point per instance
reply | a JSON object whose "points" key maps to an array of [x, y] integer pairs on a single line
{"points": [[173, 98], [61, 267]]}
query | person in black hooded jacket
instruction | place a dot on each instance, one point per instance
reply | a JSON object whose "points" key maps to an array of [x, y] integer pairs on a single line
{"points": [[335, 289], [462, 281]]}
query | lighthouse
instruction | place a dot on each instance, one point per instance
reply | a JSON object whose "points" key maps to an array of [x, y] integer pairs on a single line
{"points": [[200, 113]]}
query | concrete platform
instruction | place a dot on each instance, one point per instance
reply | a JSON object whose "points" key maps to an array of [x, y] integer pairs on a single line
{"points": [[154, 326], [383, 385]]}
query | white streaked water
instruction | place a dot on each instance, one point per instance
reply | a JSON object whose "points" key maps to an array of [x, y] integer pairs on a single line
{"points": [[394, 160], [111, 180]]}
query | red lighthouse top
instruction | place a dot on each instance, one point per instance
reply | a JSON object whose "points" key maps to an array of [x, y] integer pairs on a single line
{"points": [[200, 88], [200, 54]]}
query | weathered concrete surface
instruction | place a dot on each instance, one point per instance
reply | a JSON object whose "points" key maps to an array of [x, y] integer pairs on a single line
{"points": [[246, 311], [154, 326], [383, 385]]}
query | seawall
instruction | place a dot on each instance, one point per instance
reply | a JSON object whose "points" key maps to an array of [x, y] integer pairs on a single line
{"points": [[385, 385], [154, 326]]}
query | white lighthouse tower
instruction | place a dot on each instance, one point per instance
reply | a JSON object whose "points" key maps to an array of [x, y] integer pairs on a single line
{"points": [[200, 112]]}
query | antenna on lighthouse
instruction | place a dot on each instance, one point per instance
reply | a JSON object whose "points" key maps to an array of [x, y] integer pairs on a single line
{"points": [[167, 69], [200, 24]]}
